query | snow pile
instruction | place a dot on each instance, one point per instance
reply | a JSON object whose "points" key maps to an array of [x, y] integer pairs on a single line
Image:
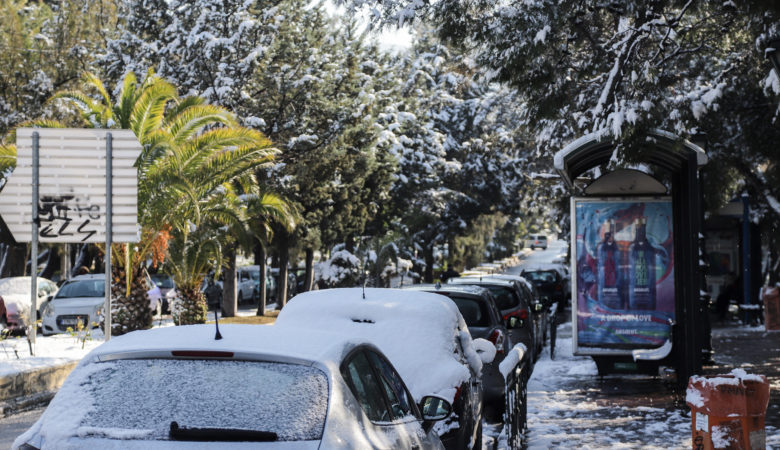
{"points": [[512, 359], [721, 437], [417, 331], [342, 269]]}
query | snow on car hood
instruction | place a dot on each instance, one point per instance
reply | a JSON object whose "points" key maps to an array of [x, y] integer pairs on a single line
{"points": [[416, 330]]}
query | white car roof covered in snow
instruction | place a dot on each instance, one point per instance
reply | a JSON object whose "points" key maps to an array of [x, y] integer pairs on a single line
{"points": [[245, 341], [417, 331]]}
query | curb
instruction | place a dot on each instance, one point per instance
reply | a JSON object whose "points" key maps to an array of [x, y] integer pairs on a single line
{"points": [[26, 390]]}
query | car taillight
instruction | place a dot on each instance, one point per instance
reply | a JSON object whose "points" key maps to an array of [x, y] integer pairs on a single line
{"points": [[521, 314], [497, 338], [457, 394]]}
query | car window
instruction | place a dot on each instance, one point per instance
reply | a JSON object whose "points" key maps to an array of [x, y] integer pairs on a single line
{"points": [[473, 311], [366, 387], [163, 281], [82, 288], [506, 297], [139, 396], [400, 400], [540, 276]]}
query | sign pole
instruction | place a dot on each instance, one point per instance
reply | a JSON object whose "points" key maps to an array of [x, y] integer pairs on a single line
{"points": [[33, 327], [109, 223]]}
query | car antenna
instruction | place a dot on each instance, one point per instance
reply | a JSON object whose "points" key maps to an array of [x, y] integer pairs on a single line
{"points": [[218, 336]]}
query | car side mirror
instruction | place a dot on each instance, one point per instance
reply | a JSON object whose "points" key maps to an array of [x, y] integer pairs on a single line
{"points": [[514, 322], [485, 349], [435, 408]]}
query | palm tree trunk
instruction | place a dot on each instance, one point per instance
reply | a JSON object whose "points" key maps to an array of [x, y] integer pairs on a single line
{"points": [[260, 260], [428, 255], [284, 258], [229, 301], [309, 282]]}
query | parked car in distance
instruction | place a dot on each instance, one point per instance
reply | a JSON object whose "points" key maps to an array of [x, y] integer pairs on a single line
{"points": [[167, 289], [15, 301], [550, 280], [540, 310], [81, 300], [479, 310], [537, 241], [292, 283], [175, 387], [514, 305], [422, 334], [249, 279]]}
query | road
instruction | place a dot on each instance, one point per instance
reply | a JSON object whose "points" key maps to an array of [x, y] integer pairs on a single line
{"points": [[13, 426]]}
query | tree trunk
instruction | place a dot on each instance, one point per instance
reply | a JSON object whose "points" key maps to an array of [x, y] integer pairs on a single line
{"points": [[284, 258], [260, 260], [13, 260], [309, 281], [428, 255], [53, 262], [229, 285]]}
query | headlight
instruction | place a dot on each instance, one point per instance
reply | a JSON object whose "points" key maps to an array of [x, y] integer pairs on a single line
{"points": [[48, 311]]}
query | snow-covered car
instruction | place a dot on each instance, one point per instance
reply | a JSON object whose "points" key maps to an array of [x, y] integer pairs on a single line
{"points": [[15, 300], [81, 300], [423, 336], [514, 305], [483, 318], [176, 387]]}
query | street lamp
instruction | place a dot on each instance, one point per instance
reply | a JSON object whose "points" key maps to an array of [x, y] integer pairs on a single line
{"points": [[773, 54]]}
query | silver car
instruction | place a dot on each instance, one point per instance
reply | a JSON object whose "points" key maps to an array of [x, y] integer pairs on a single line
{"points": [[81, 300], [176, 387]]}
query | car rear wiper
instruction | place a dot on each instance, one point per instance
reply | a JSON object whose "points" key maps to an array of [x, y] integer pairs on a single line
{"points": [[178, 433]]}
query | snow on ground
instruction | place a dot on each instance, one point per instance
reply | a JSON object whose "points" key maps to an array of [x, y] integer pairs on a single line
{"points": [[49, 351], [565, 411], [60, 349]]}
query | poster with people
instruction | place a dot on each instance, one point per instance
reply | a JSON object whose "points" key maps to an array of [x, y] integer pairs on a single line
{"points": [[624, 267]]}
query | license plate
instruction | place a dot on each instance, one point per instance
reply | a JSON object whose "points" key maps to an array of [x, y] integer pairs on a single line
{"points": [[69, 321]]}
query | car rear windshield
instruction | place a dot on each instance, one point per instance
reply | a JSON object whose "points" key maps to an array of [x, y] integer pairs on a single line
{"points": [[474, 312], [141, 397], [505, 297], [82, 288], [542, 276]]}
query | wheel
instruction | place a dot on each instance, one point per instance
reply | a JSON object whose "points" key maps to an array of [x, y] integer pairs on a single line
{"points": [[158, 309], [240, 298]]}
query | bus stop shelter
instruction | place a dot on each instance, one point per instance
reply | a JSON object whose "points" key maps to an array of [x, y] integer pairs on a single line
{"points": [[676, 161]]}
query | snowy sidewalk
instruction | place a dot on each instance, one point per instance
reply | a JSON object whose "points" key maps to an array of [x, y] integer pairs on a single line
{"points": [[570, 406]]}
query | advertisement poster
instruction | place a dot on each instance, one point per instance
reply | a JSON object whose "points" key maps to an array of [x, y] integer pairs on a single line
{"points": [[624, 268]]}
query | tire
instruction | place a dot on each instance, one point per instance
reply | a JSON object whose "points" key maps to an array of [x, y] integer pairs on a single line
{"points": [[240, 298], [478, 440], [158, 310]]}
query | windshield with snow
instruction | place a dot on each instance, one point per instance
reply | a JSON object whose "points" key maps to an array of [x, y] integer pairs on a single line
{"points": [[141, 397], [82, 288]]}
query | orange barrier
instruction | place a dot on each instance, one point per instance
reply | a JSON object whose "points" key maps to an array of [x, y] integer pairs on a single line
{"points": [[727, 411], [771, 298]]}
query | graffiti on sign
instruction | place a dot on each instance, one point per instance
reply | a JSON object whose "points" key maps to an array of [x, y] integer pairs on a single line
{"points": [[67, 215]]}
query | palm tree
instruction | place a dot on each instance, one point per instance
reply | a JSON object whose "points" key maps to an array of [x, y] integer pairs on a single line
{"points": [[195, 156]]}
